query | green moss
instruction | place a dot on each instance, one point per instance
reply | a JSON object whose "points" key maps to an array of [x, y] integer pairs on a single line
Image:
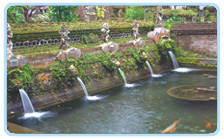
{"points": [[21, 28], [182, 13]]}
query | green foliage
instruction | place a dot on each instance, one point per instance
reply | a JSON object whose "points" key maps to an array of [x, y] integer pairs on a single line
{"points": [[63, 13], [42, 18], [22, 28], [137, 55], [91, 38], [174, 19], [149, 15], [15, 14], [100, 11], [134, 13], [167, 13], [62, 76], [18, 78]]}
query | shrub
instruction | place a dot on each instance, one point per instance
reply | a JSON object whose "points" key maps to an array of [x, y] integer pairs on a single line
{"points": [[134, 13]]}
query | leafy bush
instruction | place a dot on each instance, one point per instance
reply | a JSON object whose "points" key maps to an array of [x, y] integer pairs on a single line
{"points": [[172, 20], [15, 14], [91, 38], [134, 13], [63, 13]]}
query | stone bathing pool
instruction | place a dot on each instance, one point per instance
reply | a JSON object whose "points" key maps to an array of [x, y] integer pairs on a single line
{"points": [[144, 108]]}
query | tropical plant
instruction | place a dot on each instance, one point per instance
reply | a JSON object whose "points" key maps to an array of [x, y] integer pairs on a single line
{"points": [[63, 13], [172, 20], [18, 14], [134, 13], [100, 11], [15, 14], [28, 12]]}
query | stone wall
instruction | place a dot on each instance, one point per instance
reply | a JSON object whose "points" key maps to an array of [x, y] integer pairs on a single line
{"points": [[197, 37], [45, 60], [47, 99]]}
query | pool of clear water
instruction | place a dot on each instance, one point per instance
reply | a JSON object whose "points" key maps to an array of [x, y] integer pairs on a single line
{"points": [[142, 109]]}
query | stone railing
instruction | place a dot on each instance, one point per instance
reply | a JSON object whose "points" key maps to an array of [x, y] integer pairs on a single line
{"points": [[54, 41]]}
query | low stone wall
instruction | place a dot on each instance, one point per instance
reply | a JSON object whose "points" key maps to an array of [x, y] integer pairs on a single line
{"points": [[197, 37], [45, 60], [47, 99]]}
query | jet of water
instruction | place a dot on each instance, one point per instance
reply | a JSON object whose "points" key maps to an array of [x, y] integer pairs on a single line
{"points": [[27, 105], [173, 58], [83, 86], [149, 66], [85, 91], [123, 76], [125, 81], [151, 71]]}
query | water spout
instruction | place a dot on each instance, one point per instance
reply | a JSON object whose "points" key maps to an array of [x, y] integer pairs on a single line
{"points": [[85, 91], [176, 65], [149, 66], [125, 81], [151, 71], [123, 76], [83, 86], [173, 58], [27, 105]]}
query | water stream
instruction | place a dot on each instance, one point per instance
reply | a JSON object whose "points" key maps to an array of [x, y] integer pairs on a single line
{"points": [[151, 71], [176, 65], [27, 105], [29, 111], [124, 78], [144, 109], [85, 91]]}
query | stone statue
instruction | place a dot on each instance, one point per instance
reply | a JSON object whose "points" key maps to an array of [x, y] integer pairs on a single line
{"points": [[64, 37], [193, 20], [105, 30], [89, 13], [120, 14], [135, 30], [9, 42], [159, 15]]}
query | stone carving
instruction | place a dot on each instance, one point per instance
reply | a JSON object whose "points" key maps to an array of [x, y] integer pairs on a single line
{"points": [[9, 42], [69, 53], [201, 13], [110, 47], [73, 69], [116, 62], [135, 30], [157, 33], [45, 78], [144, 54], [64, 37], [105, 30], [89, 13], [138, 43], [13, 61], [193, 19], [159, 15], [120, 14]]}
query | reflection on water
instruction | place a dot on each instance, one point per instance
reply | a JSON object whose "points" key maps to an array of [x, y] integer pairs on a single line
{"points": [[142, 109]]}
